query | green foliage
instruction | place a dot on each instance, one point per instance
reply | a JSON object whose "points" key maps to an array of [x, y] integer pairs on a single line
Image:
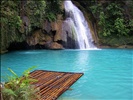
{"points": [[10, 22], [96, 9], [120, 27], [14, 28], [51, 17], [35, 10], [131, 24], [52, 9], [19, 88], [9, 14], [111, 20]]}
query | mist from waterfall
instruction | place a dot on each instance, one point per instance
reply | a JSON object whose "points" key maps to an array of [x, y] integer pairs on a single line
{"points": [[80, 26]]}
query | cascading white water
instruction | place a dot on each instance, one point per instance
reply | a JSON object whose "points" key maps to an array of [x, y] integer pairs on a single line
{"points": [[82, 30]]}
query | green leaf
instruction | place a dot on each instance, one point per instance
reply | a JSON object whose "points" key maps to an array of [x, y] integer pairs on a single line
{"points": [[13, 72], [26, 72]]}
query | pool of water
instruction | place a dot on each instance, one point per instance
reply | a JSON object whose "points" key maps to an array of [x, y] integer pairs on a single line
{"points": [[107, 72]]}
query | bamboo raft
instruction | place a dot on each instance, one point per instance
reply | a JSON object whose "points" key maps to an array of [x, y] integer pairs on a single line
{"points": [[52, 84]]}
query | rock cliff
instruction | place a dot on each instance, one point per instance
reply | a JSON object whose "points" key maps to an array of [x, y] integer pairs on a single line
{"points": [[46, 34]]}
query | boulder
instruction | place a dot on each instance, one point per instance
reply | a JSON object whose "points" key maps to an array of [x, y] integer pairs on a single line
{"points": [[56, 46]]}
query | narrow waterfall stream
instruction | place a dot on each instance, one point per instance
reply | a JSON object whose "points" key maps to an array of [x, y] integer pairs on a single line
{"points": [[79, 25]]}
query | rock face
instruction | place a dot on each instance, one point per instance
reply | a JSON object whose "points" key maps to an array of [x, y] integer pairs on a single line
{"points": [[43, 40], [68, 35], [60, 34], [56, 46], [49, 37], [56, 35]]}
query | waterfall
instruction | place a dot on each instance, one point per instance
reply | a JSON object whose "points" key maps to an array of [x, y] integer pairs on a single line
{"points": [[80, 26]]}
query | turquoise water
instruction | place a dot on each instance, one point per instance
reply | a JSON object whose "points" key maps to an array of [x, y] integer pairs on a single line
{"points": [[107, 72]]}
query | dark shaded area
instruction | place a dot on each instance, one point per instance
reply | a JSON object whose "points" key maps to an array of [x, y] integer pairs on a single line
{"points": [[18, 46], [24, 46], [70, 44]]}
